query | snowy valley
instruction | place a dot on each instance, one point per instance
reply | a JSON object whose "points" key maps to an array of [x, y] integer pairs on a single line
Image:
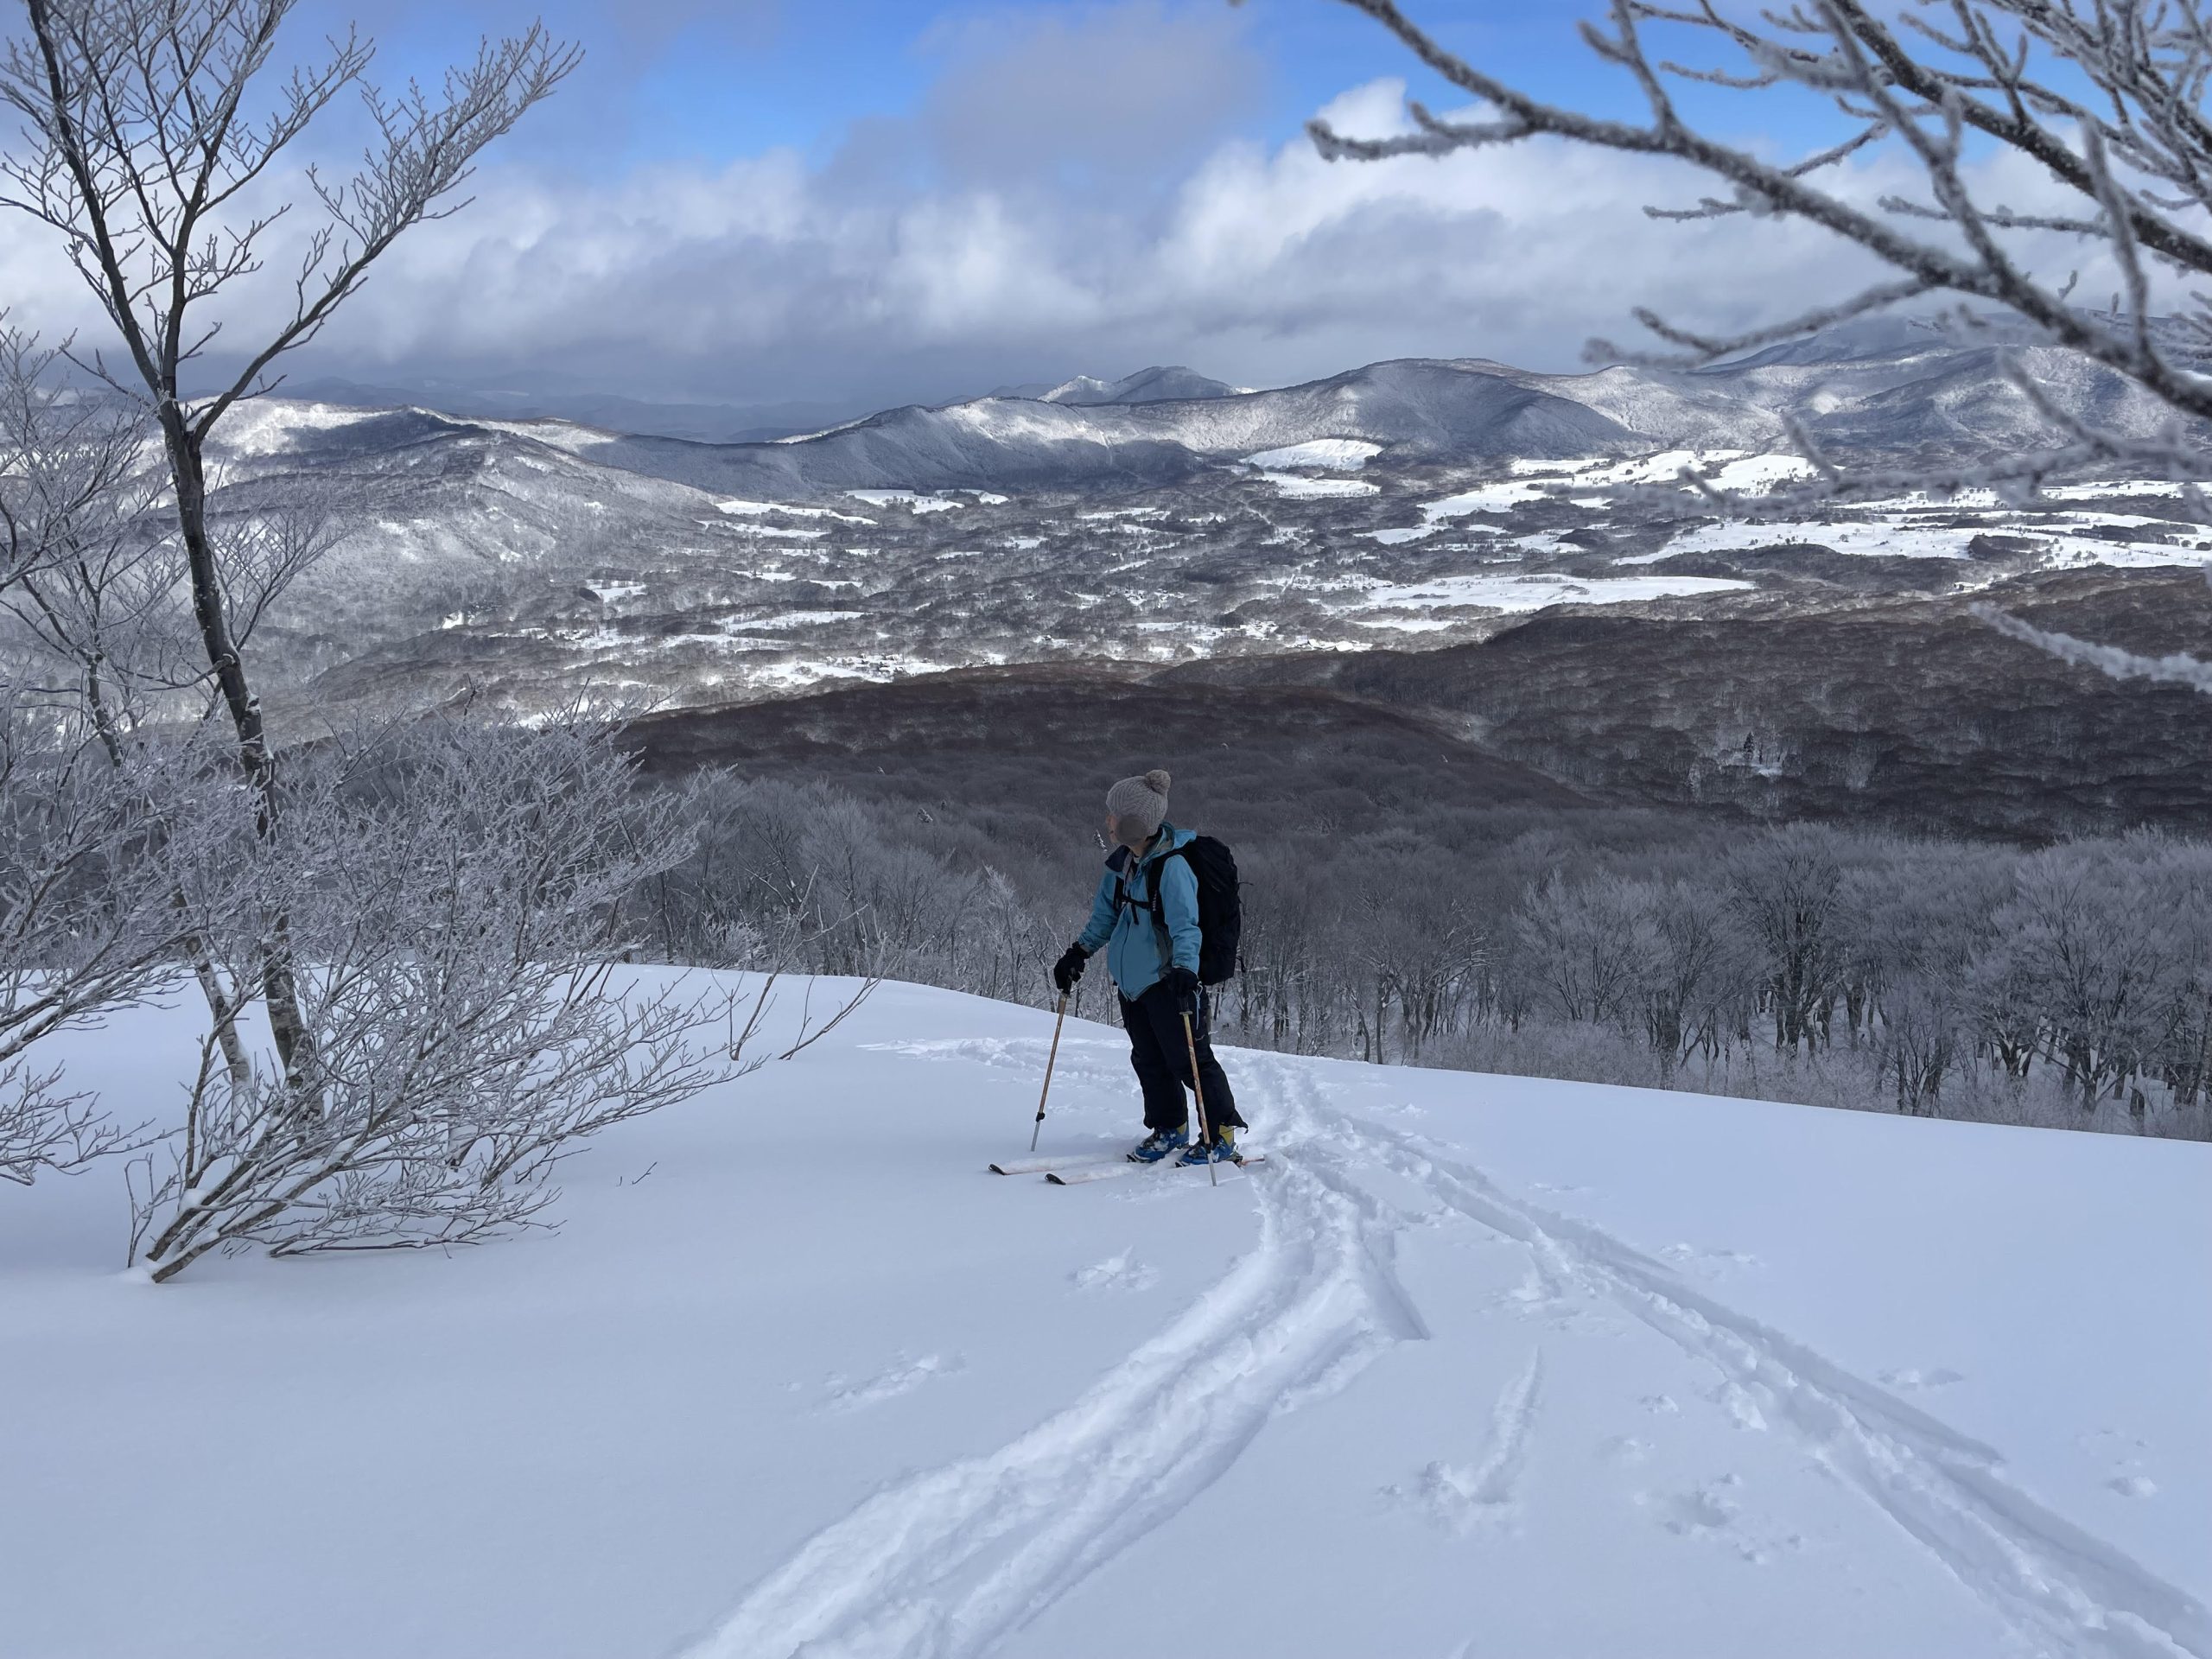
{"points": [[1508, 559]]}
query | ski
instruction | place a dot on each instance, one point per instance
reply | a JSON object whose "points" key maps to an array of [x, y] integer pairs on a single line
{"points": [[1078, 1175], [1065, 1160]]}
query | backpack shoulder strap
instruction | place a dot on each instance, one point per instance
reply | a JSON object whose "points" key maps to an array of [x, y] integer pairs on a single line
{"points": [[1152, 900]]}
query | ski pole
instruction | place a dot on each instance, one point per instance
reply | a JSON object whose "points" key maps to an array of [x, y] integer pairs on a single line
{"points": [[1050, 1060], [1205, 1135]]}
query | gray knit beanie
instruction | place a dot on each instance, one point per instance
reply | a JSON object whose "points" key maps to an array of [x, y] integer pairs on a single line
{"points": [[1139, 801]]}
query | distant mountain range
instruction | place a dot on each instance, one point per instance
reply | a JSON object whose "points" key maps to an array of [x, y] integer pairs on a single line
{"points": [[694, 422], [1375, 537], [1881, 386]]}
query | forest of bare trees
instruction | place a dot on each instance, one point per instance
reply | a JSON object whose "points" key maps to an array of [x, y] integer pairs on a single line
{"points": [[2069, 986]]}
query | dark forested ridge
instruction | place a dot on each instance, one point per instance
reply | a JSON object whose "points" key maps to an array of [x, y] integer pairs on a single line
{"points": [[1908, 712], [1042, 738]]}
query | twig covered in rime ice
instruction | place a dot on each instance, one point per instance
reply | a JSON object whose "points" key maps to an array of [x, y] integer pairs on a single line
{"points": [[89, 812], [150, 132], [89, 921], [2103, 98], [2176, 669]]}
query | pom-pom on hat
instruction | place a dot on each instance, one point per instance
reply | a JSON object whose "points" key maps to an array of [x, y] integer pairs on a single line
{"points": [[1141, 802]]}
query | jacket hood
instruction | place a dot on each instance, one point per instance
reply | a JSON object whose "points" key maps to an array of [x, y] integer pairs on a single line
{"points": [[1170, 838]]}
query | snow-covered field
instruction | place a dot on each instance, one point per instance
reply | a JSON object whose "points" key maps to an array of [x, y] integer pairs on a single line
{"points": [[1471, 1366], [1418, 602]]}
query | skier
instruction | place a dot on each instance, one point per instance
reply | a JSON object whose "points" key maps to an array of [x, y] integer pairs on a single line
{"points": [[1146, 915]]}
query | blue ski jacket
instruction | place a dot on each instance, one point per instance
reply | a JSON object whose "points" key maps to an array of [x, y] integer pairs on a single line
{"points": [[1127, 931]]}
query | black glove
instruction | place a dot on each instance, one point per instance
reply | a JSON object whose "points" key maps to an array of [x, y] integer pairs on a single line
{"points": [[1184, 984], [1069, 967]]}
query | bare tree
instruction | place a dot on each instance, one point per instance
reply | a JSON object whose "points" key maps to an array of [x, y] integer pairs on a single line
{"points": [[2095, 931], [458, 891], [1589, 944], [1786, 886], [2103, 97], [153, 132]]}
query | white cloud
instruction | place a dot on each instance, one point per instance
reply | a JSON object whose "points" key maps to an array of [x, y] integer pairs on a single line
{"points": [[877, 276]]}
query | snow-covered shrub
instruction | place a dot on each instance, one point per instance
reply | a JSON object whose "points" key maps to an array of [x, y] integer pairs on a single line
{"points": [[455, 894]]}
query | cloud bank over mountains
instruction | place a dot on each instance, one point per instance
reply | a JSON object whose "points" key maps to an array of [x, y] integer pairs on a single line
{"points": [[1074, 193]]}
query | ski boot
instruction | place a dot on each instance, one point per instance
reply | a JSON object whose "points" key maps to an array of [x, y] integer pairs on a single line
{"points": [[1222, 1149], [1161, 1143]]}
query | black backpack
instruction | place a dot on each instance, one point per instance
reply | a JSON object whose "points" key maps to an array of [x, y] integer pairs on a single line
{"points": [[1221, 906]]}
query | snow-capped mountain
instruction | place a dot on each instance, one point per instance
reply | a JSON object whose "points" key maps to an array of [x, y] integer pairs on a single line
{"points": [[1153, 385], [1418, 409], [1877, 385]]}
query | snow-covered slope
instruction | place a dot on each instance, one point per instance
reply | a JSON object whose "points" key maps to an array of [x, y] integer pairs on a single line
{"points": [[1884, 383], [1146, 386], [1419, 409], [1471, 1365]]}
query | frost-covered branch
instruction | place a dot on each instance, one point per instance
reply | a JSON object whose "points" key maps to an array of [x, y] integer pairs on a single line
{"points": [[2103, 99], [45, 1129], [89, 920], [456, 893], [2177, 669]]}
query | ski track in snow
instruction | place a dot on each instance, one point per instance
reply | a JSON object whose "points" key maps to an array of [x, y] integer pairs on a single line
{"points": [[946, 1564], [903, 1376], [2065, 1591]]}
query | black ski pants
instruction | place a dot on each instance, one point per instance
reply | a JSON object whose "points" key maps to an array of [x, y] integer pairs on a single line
{"points": [[1160, 1056]]}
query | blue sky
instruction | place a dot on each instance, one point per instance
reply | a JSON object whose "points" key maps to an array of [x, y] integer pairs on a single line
{"points": [[698, 81], [852, 203]]}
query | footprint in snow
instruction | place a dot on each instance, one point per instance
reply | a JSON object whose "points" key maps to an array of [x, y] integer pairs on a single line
{"points": [[1709, 1263], [1741, 1407], [1117, 1273], [1485, 1494], [1623, 1448], [903, 1376], [1714, 1511], [2133, 1486], [1911, 1382], [1710, 1507]]}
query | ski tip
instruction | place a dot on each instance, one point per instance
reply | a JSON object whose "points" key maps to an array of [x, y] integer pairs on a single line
{"points": [[1053, 1179]]}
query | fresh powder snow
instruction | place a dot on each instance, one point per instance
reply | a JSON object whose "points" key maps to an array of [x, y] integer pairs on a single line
{"points": [[1470, 1365]]}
